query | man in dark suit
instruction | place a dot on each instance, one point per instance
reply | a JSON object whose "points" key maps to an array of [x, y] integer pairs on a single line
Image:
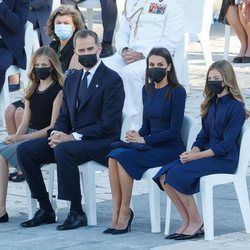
{"points": [[13, 17], [89, 121]]}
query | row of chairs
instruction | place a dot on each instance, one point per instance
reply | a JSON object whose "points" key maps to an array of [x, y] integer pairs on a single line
{"points": [[190, 129]]}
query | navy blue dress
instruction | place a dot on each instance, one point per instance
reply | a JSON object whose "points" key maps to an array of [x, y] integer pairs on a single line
{"points": [[161, 129], [221, 128]]}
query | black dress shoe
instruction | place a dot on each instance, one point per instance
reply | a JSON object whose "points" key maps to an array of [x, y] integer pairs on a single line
{"points": [[238, 59], [109, 230], [4, 218], [74, 220], [107, 50], [172, 236], [197, 234], [40, 217], [246, 59]]}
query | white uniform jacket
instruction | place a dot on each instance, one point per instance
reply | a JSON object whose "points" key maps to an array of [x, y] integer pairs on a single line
{"points": [[157, 23]]}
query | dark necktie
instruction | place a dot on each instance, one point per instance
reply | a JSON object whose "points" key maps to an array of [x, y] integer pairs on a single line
{"points": [[83, 88]]}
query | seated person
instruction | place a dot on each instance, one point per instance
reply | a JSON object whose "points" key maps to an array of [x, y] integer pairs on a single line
{"points": [[43, 100], [163, 112], [215, 150], [63, 23], [89, 121], [144, 25]]}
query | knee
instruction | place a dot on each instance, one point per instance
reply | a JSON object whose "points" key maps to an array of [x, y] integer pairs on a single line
{"points": [[10, 112], [60, 151]]}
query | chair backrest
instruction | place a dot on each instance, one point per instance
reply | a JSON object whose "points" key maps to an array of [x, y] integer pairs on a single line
{"points": [[189, 131], [28, 50], [244, 156], [198, 15]]}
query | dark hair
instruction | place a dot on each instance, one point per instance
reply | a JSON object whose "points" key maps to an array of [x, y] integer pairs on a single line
{"points": [[171, 75], [85, 34]]}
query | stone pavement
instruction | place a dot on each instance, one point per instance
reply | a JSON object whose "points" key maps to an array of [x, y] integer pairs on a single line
{"points": [[229, 228]]}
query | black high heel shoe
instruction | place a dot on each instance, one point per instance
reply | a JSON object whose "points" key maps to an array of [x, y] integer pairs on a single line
{"points": [[197, 234], [4, 218], [109, 230], [128, 228]]}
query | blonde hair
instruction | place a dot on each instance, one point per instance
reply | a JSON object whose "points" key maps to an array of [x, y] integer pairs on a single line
{"points": [[229, 79], [57, 74], [62, 11]]}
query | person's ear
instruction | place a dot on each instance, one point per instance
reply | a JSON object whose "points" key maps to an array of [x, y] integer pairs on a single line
{"points": [[169, 67]]}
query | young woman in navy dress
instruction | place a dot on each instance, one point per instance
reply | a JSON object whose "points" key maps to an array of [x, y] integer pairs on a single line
{"points": [[163, 111], [215, 150]]}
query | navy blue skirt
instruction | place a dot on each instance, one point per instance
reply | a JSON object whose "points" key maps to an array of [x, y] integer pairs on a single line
{"points": [[185, 178], [136, 162]]}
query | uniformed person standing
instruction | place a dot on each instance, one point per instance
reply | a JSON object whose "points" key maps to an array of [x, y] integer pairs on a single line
{"points": [[144, 25]]}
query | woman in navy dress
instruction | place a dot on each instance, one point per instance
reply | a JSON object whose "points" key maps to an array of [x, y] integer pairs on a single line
{"points": [[163, 112], [214, 151]]}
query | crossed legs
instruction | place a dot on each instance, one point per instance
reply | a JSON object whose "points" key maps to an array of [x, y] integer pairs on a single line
{"points": [[121, 187], [187, 208]]}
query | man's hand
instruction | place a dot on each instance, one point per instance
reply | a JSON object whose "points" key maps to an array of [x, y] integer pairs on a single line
{"points": [[130, 56], [58, 137]]}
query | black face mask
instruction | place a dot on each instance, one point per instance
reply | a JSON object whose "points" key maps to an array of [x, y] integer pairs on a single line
{"points": [[157, 74], [87, 61], [215, 86], [42, 73]]}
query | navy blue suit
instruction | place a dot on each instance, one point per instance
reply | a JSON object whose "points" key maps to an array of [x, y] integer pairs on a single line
{"points": [[13, 17], [98, 119]]}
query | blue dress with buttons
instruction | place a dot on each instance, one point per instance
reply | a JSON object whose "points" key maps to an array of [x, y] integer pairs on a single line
{"points": [[161, 129], [221, 128]]}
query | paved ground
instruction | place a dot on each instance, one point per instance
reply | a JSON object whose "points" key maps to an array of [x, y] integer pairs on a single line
{"points": [[229, 229]]}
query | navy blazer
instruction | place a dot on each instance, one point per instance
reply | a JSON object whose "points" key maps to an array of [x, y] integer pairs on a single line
{"points": [[99, 116], [13, 17]]}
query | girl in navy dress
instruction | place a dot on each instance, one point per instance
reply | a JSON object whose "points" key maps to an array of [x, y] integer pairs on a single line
{"points": [[163, 112], [215, 150]]}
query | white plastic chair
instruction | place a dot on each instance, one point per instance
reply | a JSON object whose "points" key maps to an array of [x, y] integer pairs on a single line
{"points": [[198, 18], [188, 127], [227, 41], [14, 69], [239, 181]]}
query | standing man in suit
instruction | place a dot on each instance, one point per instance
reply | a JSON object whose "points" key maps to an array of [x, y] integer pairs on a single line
{"points": [[89, 121], [13, 17]]}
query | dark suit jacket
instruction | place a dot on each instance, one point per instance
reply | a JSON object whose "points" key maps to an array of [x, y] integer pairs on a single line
{"points": [[99, 117], [13, 17], [40, 11]]}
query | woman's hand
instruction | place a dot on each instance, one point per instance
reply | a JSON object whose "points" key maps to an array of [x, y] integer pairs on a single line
{"points": [[13, 139], [189, 156], [134, 137]]}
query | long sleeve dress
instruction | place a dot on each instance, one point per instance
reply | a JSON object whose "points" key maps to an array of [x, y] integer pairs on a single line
{"points": [[161, 129], [221, 128]]}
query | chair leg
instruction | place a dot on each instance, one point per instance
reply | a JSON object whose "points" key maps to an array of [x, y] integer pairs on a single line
{"points": [[168, 214], [227, 41], [154, 203], [31, 203], [51, 186], [207, 210], [88, 182], [4, 99], [243, 198], [204, 40]]}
